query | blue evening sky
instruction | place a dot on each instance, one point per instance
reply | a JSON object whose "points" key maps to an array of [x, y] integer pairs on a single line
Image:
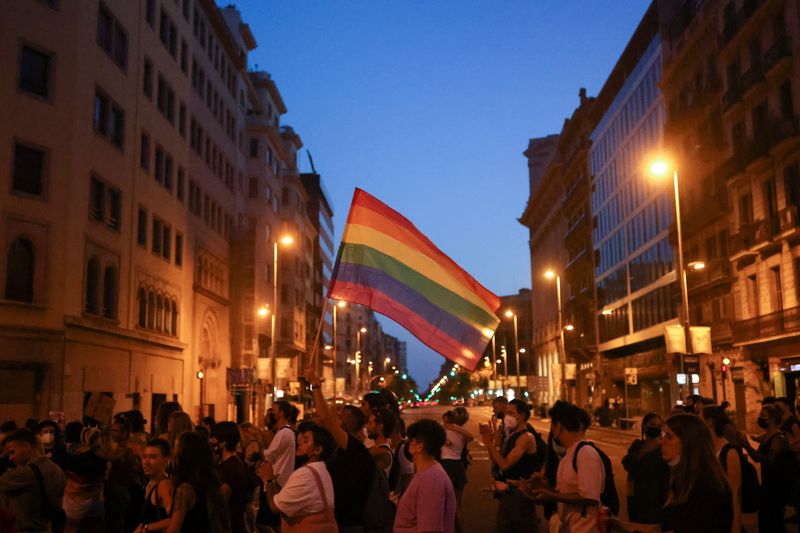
{"points": [[428, 105]]}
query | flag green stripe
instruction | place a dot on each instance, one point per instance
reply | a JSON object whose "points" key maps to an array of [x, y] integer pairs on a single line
{"points": [[435, 293]]}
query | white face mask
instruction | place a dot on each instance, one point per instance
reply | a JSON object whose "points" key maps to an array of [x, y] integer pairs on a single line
{"points": [[560, 450], [510, 422]]}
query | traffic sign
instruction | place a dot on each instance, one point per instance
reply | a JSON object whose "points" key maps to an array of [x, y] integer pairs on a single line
{"points": [[631, 376]]}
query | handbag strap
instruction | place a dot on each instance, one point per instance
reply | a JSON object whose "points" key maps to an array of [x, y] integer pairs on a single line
{"points": [[46, 503], [318, 482]]}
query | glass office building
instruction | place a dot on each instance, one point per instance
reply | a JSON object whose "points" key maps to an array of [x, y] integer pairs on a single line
{"points": [[632, 213]]}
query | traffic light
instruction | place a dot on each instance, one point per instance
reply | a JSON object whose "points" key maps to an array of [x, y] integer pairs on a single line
{"points": [[726, 363]]}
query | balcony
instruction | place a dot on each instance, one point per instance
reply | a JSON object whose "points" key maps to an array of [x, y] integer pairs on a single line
{"points": [[742, 242], [789, 222], [753, 77], [716, 272], [766, 326], [752, 150], [782, 131], [766, 230], [732, 96], [780, 50]]}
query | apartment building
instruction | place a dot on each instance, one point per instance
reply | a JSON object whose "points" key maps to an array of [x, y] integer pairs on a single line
{"points": [[144, 193]]}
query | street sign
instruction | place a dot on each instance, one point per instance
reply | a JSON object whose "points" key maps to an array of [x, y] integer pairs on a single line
{"points": [[631, 376], [691, 364]]}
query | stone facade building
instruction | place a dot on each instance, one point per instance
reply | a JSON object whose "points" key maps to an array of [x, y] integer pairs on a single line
{"points": [[146, 175]]}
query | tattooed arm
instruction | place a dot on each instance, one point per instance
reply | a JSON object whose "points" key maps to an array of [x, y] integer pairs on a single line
{"points": [[185, 499]]}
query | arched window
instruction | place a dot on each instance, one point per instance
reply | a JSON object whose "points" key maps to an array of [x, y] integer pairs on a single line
{"points": [[174, 325], [110, 292], [151, 310], [92, 297], [159, 313], [19, 271], [167, 315], [142, 308]]}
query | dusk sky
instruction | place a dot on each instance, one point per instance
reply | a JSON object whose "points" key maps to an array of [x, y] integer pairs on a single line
{"points": [[428, 105]]}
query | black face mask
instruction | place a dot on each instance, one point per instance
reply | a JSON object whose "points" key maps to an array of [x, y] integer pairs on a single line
{"points": [[271, 420], [763, 423], [652, 432], [500, 416]]}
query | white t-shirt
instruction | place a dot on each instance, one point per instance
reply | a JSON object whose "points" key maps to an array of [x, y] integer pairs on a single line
{"points": [[589, 484], [454, 445], [300, 494], [281, 454]]}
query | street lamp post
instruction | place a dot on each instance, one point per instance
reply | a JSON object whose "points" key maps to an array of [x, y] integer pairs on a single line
{"points": [[563, 356], [286, 240], [494, 363], [358, 359], [513, 316], [386, 362], [660, 168], [339, 304]]}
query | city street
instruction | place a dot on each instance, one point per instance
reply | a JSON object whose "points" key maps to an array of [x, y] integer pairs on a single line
{"points": [[478, 507]]}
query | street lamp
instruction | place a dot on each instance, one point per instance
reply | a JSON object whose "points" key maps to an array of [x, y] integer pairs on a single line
{"points": [[358, 359], [263, 311], [660, 168], [285, 240], [550, 274], [341, 304], [386, 362], [511, 314]]}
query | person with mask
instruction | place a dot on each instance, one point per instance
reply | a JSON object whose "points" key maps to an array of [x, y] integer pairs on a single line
{"points": [[52, 441], [577, 496], [351, 468], [775, 457], [224, 439], [454, 454], [699, 497], [281, 455], [85, 471], [516, 461], [429, 502], [158, 494], [305, 503], [648, 473]]}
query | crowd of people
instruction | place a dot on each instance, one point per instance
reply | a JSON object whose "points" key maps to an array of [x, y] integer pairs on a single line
{"points": [[360, 469], [356, 469], [691, 472]]}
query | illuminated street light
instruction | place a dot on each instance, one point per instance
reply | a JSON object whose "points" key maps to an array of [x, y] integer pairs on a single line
{"points": [[263, 311], [660, 168], [569, 327], [286, 240], [696, 265]]}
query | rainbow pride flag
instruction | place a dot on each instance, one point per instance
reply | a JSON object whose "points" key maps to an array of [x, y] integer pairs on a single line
{"points": [[388, 265]]}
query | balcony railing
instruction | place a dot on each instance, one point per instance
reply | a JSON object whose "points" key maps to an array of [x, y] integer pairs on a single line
{"points": [[789, 221], [716, 270], [764, 326], [742, 241], [752, 77], [731, 96], [780, 49], [781, 129]]}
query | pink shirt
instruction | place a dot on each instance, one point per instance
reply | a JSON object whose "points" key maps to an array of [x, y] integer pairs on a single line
{"points": [[428, 504]]}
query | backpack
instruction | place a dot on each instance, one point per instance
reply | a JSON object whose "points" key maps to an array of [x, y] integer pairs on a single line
{"points": [[54, 513], [541, 449], [379, 510], [751, 490], [608, 496]]}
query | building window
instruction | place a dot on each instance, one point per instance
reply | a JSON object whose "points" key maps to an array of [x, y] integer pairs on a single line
{"points": [[150, 12], [157, 229], [182, 120], [174, 324], [252, 189], [141, 227], [178, 249], [29, 165], [253, 148], [184, 57], [166, 242], [100, 120], [181, 184], [91, 297], [147, 81], [151, 310], [142, 311], [112, 37], [34, 71], [168, 167], [159, 170], [776, 289], [752, 296], [110, 292], [168, 33], [144, 152], [20, 265], [117, 126], [105, 204]]}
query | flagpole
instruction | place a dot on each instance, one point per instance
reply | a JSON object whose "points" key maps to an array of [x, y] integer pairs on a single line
{"points": [[313, 361]]}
